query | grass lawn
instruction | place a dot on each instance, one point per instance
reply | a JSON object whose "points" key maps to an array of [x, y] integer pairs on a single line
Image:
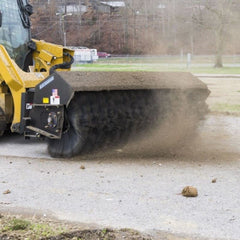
{"points": [[155, 67], [225, 108], [202, 64]]}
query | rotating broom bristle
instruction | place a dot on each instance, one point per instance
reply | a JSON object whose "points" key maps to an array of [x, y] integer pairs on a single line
{"points": [[105, 119]]}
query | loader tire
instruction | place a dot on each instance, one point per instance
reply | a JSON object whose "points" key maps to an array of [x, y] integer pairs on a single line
{"points": [[3, 124]]}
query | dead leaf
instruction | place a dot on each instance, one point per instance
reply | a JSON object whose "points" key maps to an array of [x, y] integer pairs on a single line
{"points": [[7, 192]]}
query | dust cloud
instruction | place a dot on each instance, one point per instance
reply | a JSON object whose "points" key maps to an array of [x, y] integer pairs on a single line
{"points": [[212, 138], [175, 132], [172, 134]]}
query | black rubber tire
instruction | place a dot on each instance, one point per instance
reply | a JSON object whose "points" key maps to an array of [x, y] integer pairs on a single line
{"points": [[3, 123]]}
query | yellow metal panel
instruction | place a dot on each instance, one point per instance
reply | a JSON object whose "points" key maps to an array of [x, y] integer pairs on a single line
{"points": [[55, 52], [17, 81], [2, 101], [46, 56]]}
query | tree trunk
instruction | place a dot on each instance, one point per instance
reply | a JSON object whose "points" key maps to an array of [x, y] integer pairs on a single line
{"points": [[219, 47], [218, 61]]}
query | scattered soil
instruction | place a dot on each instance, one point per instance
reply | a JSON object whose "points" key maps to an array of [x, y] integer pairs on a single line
{"points": [[19, 227], [101, 234]]}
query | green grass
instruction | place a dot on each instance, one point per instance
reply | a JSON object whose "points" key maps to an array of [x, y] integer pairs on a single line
{"points": [[196, 59], [38, 230], [16, 224], [224, 107], [154, 67], [211, 70], [45, 230]]}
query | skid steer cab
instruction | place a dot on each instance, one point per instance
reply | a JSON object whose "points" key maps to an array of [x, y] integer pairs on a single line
{"points": [[44, 108]]}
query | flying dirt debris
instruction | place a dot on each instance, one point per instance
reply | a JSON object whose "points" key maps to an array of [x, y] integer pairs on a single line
{"points": [[81, 112]]}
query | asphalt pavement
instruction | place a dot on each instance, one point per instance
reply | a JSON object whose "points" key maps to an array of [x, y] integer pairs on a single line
{"points": [[125, 191]]}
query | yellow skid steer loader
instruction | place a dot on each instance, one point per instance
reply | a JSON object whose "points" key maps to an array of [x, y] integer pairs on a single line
{"points": [[80, 112]]}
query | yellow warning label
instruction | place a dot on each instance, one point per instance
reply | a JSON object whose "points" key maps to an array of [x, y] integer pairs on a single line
{"points": [[45, 100]]}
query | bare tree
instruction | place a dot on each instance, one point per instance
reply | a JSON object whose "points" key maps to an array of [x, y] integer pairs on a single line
{"points": [[215, 17], [145, 26]]}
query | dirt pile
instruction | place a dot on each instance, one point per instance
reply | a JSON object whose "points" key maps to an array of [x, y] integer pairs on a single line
{"points": [[101, 234]]}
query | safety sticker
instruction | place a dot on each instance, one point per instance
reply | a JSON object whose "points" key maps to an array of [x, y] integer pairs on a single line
{"points": [[55, 99], [45, 100], [28, 106]]}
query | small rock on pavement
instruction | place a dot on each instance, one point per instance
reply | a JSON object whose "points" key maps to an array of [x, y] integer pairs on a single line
{"points": [[190, 191], [7, 192], [82, 167], [214, 180]]}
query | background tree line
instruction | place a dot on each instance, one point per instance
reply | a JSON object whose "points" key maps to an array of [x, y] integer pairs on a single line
{"points": [[142, 26]]}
